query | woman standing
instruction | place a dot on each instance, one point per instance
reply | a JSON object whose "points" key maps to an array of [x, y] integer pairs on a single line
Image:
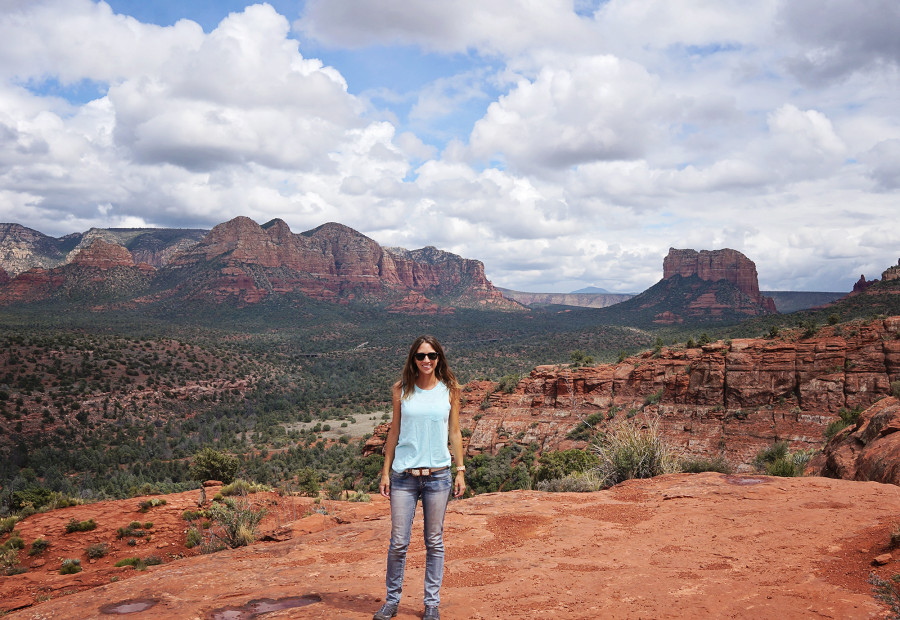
{"points": [[417, 466]]}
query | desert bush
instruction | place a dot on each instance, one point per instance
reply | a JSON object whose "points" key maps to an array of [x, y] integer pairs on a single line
{"points": [[132, 529], [507, 383], [39, 546], [654, 398], [153, 502], [96, 551], [777, 460], [210, 464], [9, 562], [15, 541], [237, 522], [356, 496], [561, 463], [895, 537], [194, 538], [7, 524], [696, 466], [895, 389], [632, 450], [135, 563], [577, 482], [243, 487], [152, 560], [70, 566], [887, 592], [80, 526]]}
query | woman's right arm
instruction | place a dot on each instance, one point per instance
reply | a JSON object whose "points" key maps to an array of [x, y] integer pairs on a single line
{"points": [[391, 444]]}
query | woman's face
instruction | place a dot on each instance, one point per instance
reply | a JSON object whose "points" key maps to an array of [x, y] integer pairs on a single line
{"points": [[425, 366]]}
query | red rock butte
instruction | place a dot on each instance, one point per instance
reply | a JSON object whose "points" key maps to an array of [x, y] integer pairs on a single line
{"points": [[715, 265]]}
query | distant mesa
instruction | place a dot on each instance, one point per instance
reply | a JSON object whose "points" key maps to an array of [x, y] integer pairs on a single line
{"points": [[240, 262], [704, 286], [582, 300], [592, 290]]}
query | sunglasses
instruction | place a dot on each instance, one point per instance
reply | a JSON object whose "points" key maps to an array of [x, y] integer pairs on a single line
{"points": [[421, 356]]}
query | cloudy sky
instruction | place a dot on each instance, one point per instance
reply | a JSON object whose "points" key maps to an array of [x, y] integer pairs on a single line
{"points": [[563, 143]]}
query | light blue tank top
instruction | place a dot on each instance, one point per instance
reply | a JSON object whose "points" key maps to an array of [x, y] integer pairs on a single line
{"points": [[423, 429]]}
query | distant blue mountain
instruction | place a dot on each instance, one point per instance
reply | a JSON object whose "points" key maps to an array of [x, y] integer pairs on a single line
{"points": [[592, 290]]}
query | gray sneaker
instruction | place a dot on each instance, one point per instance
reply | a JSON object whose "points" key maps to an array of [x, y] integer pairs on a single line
{"points": [[387, 611], [431, 613]]}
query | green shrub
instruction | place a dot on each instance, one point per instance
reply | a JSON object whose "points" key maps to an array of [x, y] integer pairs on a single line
{"points": [[895, 389], [194, 538], [654, 398], [80, 526], [507, 383], [147, 504], [132, 529], [15, 541], [237, 522], [152, 560], [191, 515], [631, 450], [895, 537], [578, 482], [561, 463], [96, 551], [9, 559], [7, 524], [210, 464], [70, 566], [243, 487], [308, 482], [37, 497], [696, 466], [777, 460], [135, 563], [333, 490], [39, 546]]}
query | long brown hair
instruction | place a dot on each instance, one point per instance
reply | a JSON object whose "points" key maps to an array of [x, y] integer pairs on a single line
{"points": [[441, 370]]}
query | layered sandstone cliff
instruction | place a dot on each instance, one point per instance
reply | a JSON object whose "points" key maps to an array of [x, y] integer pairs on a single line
{"points": [[249, 262], [725, 399], [716, 265]]}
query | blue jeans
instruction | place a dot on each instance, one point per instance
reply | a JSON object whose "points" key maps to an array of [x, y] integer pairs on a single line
{"points": [[406, 490]]}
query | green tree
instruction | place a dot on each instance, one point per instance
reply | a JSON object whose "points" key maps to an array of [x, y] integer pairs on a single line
{"points": [[210, 464]]}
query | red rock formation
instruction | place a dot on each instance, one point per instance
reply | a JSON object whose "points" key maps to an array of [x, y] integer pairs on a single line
{"points": [[862, 284], [715, 265], [103, 255], [724, 399], [100, 269], [870, 449], [334, 262]]}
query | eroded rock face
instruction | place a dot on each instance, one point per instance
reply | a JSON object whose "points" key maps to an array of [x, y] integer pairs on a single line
{"points": [[715, 265], [103, 255], [723, 399], [334, 262], [869, 450]]}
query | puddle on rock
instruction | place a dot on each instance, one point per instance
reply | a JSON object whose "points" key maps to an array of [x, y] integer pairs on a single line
{"points": [[741, 481], [130, 606], [258, 607]]}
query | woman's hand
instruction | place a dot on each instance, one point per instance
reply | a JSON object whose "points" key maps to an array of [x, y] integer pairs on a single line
{"points": [[384, 487], [459, 486]]}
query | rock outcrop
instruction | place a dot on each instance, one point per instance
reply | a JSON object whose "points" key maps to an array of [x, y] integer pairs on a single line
{"points": [[22, 248], [727, 399], [101, 271], [677, 546], [714, 266], [333, 263], [870, 449]]}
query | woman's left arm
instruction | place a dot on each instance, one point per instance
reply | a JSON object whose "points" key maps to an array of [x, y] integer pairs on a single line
{"points": [[459, 486]]}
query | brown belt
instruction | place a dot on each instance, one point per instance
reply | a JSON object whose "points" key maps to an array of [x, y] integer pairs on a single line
{"points": [[425, 471]]}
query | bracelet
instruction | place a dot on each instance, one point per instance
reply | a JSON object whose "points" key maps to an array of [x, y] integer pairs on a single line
{"points": [[460, 468]]}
